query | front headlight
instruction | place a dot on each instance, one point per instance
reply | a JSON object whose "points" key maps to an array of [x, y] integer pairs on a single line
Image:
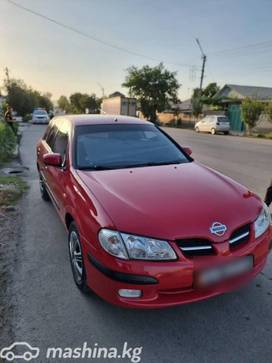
{"points": [[112, 242], [262, 222], [144, 248], [126, 246]]}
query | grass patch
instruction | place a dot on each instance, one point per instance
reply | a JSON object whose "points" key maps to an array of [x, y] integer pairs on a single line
{"points": [[11, 189], [267, 135], [8, 142]]}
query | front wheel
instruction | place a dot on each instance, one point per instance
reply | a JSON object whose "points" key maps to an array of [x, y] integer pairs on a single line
{"points": [[213, 131], [76, 258], [226, 132], [43, 191], [197, 129]]}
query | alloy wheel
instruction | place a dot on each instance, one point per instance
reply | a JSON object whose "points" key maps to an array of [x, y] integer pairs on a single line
{"points": [[76, 256]]}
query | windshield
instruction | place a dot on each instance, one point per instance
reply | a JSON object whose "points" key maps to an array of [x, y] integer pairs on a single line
{"points": [[223, 119], [101, 147], [40, 112]]}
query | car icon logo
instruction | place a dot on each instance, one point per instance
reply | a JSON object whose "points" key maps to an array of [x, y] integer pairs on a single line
{"points": [[28, 352], [218, 228]]}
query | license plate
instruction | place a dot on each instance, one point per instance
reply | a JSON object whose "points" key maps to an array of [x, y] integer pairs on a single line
{"points": [[217, 274]]}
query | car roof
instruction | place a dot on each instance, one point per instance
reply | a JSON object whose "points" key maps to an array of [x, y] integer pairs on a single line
{"points": [[102, 119]]}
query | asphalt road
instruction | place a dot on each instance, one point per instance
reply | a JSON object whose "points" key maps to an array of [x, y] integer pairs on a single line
{"points": [[50, 311]]}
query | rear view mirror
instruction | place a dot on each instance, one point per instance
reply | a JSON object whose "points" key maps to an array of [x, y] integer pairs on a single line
{"points": [[52, 159], [188, 150]]}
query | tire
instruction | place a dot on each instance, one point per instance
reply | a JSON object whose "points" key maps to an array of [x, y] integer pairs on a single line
{"points": [[226, 133], [76, 258], [27, 356], [213, 131], [44, 194], [197, 129], [10, 356]]}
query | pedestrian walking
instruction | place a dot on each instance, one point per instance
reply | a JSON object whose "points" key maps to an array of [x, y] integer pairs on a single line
{"points": [[9, 120]]}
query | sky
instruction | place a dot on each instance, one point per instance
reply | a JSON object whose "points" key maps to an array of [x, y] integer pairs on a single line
{"points": [[236, 36]]}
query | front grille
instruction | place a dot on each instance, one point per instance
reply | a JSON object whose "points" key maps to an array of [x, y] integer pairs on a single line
{"points": [[241, 235], [195, 247]]}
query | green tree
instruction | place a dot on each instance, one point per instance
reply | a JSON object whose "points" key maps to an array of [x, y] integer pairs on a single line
{"points": [[211, 90], [251, 111], [268, 111], [197, 103], [92, 103], [24, 99], [155, 88], [79, 103], [64, 104], [45, 102]]}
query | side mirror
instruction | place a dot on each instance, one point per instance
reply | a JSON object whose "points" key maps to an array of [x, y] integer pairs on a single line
{"points": [[188, 150], [52, 159]]}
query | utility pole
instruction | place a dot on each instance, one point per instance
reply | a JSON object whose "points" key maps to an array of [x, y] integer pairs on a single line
{"points": [[7, 76], [102, 89], [204, 59]]}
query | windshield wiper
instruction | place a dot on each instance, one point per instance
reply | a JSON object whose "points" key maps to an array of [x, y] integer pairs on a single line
{"points": [[151, 163], [139, 165], [95, 167]]}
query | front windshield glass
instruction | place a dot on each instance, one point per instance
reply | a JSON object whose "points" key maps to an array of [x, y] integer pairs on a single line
{"points": [[223, 119], [116, 146], [40, 112]]}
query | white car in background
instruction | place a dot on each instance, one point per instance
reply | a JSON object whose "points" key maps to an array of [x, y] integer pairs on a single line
{"points": [[40, 116], [213, 124]]}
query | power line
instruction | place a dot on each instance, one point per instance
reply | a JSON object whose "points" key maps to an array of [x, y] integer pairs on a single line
{"points": [[256, 46], [89, 36]]}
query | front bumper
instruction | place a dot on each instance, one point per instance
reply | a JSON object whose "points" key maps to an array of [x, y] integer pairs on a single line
{"points": [[165, 284]]}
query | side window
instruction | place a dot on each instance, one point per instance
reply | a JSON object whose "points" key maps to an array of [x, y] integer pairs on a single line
{"points": [[47, 132], [50, 138], [60, 144]]}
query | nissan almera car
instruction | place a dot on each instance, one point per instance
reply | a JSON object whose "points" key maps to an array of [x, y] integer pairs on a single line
{"points": [[148, 226]]}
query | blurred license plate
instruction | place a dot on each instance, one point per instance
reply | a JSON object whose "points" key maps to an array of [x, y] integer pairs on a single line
{"points": [[220, 273]]}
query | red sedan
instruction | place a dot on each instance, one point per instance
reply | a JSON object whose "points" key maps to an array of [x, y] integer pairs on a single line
{"points": [[148, 226]]}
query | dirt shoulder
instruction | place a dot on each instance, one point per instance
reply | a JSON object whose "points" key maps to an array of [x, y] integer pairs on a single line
{"points": [[11, 190], [10, 223]]}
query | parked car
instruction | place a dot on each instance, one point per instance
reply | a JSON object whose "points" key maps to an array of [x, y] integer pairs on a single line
{"points": [[148, 227], [213, 124], [40, 116]]}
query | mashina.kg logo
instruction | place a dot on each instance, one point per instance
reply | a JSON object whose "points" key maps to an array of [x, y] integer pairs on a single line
{"points": [[19, 350]]}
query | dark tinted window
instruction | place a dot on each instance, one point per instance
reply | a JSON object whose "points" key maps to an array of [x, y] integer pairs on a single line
{"points": [[47, 132], [120, 146], [223, 119]]}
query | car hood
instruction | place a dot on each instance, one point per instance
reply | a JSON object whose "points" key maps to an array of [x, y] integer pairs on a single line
{"points": [[172, 201]]}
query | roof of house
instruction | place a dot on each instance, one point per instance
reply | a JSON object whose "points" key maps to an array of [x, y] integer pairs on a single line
{"points": [[116, 94], [239, 91], [185, 105], [181, 106]]}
